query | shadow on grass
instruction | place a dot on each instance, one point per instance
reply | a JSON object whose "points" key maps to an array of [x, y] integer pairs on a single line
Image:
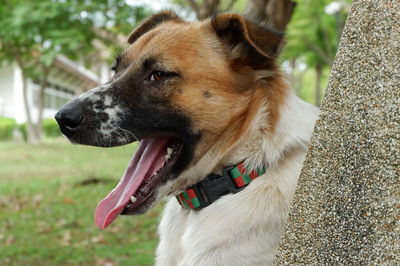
{"points": [[48, 194]]}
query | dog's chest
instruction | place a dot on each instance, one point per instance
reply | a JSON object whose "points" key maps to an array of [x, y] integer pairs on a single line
{"points": [[235, 230]]}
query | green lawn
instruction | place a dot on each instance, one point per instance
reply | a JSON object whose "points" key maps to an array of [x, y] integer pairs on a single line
{"points": [[46, 207]]}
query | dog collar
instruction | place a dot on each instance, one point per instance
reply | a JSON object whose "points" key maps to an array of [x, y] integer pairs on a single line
{"points": [[214, 186]]}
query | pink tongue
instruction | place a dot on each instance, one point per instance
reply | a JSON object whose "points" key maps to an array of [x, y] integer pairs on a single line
{"points": [[141, 166]]}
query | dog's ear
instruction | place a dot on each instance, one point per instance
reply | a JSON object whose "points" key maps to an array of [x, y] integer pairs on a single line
{"points": [[153, 22], [247, 42]]}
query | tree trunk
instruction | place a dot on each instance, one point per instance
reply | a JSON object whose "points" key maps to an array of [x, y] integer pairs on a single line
{"points": [[32, 134], [207, 9], [318, 72], [40, 101], [31, 131], [276, 13], [294, 80]]}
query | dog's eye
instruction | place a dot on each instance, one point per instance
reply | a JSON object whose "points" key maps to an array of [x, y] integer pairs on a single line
{"points": [[113, 69], [156, 76], [114, 66]]}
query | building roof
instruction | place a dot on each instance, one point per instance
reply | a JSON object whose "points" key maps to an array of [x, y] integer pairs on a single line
{"points": [[77, 70]]}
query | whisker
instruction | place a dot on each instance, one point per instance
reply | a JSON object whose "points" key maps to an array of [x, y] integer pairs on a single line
{"points": [[123, 137], [130, 133]]}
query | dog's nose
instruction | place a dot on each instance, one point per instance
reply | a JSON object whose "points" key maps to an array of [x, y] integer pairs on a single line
{"points": [[69, 118]]}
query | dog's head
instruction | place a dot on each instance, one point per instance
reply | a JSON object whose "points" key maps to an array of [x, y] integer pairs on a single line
{"points": [[186, 92]]}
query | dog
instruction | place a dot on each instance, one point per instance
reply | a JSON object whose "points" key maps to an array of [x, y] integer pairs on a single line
{"points": [[222, 137]]}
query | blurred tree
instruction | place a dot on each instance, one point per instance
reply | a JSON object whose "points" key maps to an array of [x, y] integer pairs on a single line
{"points": [[207, 8], [276, 13], [313, 35], [34, 32]]}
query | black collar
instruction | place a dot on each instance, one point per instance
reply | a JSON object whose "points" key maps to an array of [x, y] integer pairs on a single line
{"points": [[233, 179]]}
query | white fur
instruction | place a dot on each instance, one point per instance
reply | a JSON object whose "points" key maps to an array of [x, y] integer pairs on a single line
{"points": [[242, 228]]}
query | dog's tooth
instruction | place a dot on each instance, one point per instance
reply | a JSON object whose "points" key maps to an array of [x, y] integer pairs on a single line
{"points": [[133, 199], [168, 155], [169, 151]]}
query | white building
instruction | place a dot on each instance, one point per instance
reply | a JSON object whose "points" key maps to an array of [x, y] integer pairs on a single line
{"points": [[66, 79]]}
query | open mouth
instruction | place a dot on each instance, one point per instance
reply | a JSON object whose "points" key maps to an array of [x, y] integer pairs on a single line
{"points": [[150, 166]]}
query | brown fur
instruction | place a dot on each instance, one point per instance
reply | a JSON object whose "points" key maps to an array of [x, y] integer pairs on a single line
{"points": [[218, 60], [276, 93]]}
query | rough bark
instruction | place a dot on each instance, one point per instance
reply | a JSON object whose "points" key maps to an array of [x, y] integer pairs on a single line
{"points": [[346, 207], [276, 13]]}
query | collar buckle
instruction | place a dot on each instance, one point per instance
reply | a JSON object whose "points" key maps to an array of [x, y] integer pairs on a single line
{"points": [[215, 186]]}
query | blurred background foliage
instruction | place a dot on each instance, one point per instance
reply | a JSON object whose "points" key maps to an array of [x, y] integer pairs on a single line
{"points": [[49, 192], [34, 32]]}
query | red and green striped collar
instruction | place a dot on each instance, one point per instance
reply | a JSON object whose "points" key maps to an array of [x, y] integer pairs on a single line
{"points": [[233, 179]]}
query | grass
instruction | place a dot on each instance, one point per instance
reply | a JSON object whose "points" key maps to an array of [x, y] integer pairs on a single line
{"points": [[46, 207]]}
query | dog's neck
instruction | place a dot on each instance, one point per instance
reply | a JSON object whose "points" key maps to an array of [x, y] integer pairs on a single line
{"points": [[264, 147]]}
